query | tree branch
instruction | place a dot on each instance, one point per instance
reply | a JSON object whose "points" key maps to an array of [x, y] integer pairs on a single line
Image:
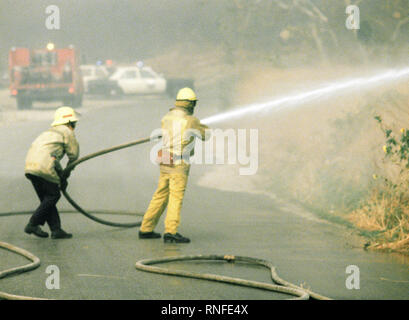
{"points": [[398, 26]]}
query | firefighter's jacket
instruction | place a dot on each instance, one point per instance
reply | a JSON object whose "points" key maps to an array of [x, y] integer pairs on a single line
{"points": [[57, 141], [179, 130]]}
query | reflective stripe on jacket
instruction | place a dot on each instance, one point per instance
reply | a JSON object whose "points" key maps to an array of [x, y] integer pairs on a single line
{"points": [[57, 141]]}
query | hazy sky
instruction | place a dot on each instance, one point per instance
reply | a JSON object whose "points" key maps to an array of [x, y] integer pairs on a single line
{"points": [[122, 29], [129, 30]]}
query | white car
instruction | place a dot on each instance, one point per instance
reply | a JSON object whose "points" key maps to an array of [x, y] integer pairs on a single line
{"points": [[93, 72], [128, 80], [134, 80]]}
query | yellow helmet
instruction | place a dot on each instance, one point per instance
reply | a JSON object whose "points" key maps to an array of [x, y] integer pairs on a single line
{"points": [[186, 94], [64, 115]]}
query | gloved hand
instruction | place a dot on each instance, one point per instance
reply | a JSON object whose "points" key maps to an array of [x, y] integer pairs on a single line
{"points": [[57, 166], [65, 175], [62, 174], [63, 184]]}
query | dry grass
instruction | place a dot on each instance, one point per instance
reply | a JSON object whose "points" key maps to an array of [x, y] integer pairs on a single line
{"points": [[386, 211], [386, 214]]}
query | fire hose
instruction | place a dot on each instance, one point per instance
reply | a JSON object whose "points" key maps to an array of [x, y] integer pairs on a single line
{"points": [[71, 167], [35, 263], [146, 265]]}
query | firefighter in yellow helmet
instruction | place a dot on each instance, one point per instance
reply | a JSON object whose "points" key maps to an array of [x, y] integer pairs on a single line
{"points": [[179, 130], [44, 171]]}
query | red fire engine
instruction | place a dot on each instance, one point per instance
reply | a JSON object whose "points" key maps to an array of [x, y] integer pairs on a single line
{"points": [[47, 74]]}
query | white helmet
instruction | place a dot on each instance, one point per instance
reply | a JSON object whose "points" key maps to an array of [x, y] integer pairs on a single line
{"points": [[64, 115]]}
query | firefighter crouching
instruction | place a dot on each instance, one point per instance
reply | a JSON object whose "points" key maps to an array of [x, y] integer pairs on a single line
{"points": [[179, 129], [44, 170]]}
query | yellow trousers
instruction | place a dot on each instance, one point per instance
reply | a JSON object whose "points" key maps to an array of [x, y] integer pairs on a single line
{"points": [[170, 193]]}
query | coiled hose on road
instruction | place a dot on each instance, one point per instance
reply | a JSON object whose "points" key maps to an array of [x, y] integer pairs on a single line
{"points": [[35, 263], [282, 285], [279, 285]]}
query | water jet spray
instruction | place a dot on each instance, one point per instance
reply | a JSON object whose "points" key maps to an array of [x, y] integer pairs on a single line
{"points": [[298, 99]]}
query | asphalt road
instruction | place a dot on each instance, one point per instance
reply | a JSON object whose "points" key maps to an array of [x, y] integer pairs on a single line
{"points": [[98, 263]]}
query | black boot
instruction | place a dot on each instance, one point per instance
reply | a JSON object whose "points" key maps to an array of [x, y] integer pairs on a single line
{"points": [[149, 235], [60, 234], [36, 230], [177, 238]]}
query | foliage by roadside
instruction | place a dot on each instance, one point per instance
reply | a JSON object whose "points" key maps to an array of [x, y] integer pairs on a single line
{"points": [[386, 212]]}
